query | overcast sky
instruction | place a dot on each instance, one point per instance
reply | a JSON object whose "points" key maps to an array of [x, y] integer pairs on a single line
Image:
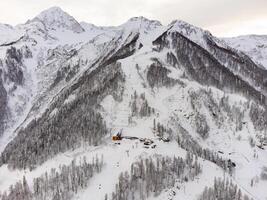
{"points": [[221, 17]]}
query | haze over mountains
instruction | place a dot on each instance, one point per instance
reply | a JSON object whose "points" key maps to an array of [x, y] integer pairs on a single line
{"points": [[190, 107]]}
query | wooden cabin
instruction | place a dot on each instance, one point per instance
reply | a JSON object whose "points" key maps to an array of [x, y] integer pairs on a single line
{"points": [[117, 136]]}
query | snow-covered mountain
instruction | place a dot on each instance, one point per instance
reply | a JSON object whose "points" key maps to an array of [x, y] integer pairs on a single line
{"points": [[253, 45], [54, 18], [190, 107]]}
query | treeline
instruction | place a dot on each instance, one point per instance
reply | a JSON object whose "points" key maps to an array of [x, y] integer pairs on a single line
{"points": [[162, 131], [194, 148], [139, 106], [157, 76], [202, 127], [59, 184], [58, 134], [221, 111], [150, 177], [201, 66], [65, 126], [223, 190], [258, 115]]}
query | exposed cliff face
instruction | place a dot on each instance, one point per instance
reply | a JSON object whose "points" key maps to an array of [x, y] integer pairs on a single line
{"points": [[11, 77], [13, 63]]}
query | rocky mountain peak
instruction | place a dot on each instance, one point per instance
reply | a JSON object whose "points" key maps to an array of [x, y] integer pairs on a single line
{"points": [[142, 19], [55, 18], [190, 31], [142, 23]]}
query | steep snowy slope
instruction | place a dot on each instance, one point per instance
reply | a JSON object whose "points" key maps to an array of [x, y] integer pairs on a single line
{"points": [[190, 109], [254, 46], [236, 61], [48, 47], [54, 18], [9, 34]]}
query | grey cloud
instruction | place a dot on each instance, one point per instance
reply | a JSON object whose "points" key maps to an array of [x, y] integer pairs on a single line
{"points": [[203, 13]]}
